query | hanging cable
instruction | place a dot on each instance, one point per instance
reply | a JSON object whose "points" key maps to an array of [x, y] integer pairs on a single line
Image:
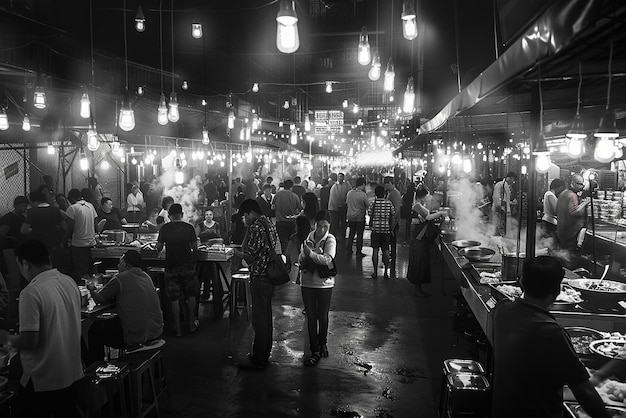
{"points": [[93, 74]]}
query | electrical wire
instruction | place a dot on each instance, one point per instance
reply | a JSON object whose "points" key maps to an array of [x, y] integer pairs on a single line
{"points": [[125, 47], [172, 29]]}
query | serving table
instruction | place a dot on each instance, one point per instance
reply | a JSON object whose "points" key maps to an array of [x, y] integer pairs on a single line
{"points": [[214, 263]]}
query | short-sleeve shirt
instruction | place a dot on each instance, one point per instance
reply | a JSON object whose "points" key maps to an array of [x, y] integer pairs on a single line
{"points": [[177, 237], [286, 203], [14, 222], [358, 203], [113, 218], [534, 358], [44, 222], [84, 215], [50, 305], [381, 212], [394, 197]]}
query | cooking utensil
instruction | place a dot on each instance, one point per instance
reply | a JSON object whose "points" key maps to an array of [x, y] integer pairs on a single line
{"points": [[463, 243], [482, 254], [606, 347], [605, 295], [512, 265], [606, 270]]}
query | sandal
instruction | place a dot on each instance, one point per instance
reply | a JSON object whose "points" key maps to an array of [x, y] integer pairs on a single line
{"points": [[312, 361], [324, 350], [194, 326]]}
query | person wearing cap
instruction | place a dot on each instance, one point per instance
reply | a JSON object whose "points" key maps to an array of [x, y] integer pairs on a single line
{"points": [[10, 234], [180, 242], [139, 320]]}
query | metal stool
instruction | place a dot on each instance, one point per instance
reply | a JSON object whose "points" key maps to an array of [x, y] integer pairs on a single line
{"points": [[146, 367], [157, 274], [467, 395], [455, 366], [240, 289]]}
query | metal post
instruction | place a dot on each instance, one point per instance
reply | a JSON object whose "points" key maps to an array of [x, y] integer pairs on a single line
{"points": [[531, 213]]}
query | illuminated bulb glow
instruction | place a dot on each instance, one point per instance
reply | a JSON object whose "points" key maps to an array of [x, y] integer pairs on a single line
{"points": [[374, 72], [140, 20], [409, 24], [127, 119], [390, 77], [575, 147], [344, 104], [255, 88], [179, 177], [231, 120], [467, 166], [105, 165], [605, 150], [173, 115], [196, 30], [329, 87], [409, 97], [287, 38], [364, 55], [542, 164], [85, 106], [50, 149], [39, 99], [162, 111], [26, 123], [92, 139], [185, 85], [307, 123], [4, 120], [205, 136], [355, 108]]}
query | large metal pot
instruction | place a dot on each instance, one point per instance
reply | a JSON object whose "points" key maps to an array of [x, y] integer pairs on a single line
{"points": [[479, 254], [607, 295], [464, 243], [512, 266]]}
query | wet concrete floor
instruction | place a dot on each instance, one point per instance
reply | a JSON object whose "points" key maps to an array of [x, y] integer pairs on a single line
{"points": [[386, 351]]}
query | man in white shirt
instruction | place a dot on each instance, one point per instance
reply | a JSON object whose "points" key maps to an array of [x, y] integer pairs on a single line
{"points": [[337, 207], [135, 204], [358, 203], [49, 337], [550, 198], [81, 229], [501, 206]]}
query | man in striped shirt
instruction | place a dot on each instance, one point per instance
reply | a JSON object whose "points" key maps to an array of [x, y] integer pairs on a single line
{"points": [[382, 215]]}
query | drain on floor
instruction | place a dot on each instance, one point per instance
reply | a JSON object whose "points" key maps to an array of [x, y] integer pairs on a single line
{"points": [[342, 413], [366, 366], [410, 375]]}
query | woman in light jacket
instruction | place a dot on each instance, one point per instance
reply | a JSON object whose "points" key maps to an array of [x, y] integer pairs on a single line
{"points": [[318, 253]]}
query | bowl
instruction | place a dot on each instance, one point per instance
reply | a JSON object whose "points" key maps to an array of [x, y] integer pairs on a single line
{"points": [[606, 347], [607, 295], [463, 243], [480, 254]]}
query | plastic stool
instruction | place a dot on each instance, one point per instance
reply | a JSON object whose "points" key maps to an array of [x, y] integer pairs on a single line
{"points": [[455, 366], [240, 286], [146, 366], [467, 395]]}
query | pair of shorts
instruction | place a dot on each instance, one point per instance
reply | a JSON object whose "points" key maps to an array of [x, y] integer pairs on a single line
{"points": [[181, 281], [380, 240]]}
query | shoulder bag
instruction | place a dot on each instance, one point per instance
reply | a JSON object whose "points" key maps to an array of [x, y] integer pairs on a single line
{"points": [[276, 270]]}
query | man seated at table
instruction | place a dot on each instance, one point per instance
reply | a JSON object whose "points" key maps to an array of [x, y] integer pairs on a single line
{"points": [[139, 321], [533, 355], [109, 217], [48, 339]]}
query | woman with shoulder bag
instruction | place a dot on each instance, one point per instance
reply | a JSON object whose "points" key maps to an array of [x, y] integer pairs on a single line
{"points": [[317, 268], [424, 235]]}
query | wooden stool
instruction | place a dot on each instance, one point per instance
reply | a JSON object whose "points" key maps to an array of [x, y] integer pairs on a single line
{"points": [[146, 367], [104, 385], [240, 289]]}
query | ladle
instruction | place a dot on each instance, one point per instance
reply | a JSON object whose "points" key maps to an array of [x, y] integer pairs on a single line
{"points": [[597, 285]]}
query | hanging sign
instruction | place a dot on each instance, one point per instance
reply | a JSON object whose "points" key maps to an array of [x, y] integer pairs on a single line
{"points": [[11, 170], [328, 122]]}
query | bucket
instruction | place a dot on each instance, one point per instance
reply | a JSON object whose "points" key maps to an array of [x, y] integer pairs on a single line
{"points": [[512, 266]]}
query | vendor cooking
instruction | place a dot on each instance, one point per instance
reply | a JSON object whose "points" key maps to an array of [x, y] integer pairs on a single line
{"points": [[208, 230]]}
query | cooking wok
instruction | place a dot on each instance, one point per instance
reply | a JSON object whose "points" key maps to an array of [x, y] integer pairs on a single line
{"points": [[463, 243], [607, 294], [481, 254]]}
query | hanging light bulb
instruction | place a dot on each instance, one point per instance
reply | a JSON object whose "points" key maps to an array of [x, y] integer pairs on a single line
{"points": [[83, 162], [607, 127], [85, 106], [231, 120], [374, 72], [344, 104], [92, 138], [577, 129], [390, 76], [307, 123], [355, 108], [575, 147], [409, 96], [329, 87], [140, 20], [127, 115], [287, 38], [162, 111], [364, 55], [286, 104], [294, 135], [255, 87], [4, 120], [139, 90], [409, 24], [605, 149], [205, 136], [196, 30], [185, 85], [173, 115], [26, 123], [50, 149], [39, 98], [179, 176], [542, 164], [281, 124]]}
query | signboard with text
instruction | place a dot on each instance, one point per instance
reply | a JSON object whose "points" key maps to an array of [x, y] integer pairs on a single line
{"points": [[328, 122]]}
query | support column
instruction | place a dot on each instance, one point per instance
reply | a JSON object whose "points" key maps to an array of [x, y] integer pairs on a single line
{"points": [[531, 214]]}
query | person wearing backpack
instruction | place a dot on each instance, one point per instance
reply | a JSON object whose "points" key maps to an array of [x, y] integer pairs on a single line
{"points": [[257, 247], [317, 267]]}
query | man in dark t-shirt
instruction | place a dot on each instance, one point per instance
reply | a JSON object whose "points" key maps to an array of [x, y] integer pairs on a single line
{"points": [[179, 239], [533, 355], [45, 223], [11, 223], [109, 217]]}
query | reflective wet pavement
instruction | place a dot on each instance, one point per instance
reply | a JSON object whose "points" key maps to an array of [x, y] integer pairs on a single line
{"points": [[386, 350]]}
